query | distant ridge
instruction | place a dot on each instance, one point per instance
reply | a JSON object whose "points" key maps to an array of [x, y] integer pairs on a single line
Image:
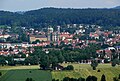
{"points": [[61, 16], [117, 7], [20, 12]]}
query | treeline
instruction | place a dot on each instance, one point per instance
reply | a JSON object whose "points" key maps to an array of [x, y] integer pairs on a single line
{"points": [[57, 16], [89, 78]]}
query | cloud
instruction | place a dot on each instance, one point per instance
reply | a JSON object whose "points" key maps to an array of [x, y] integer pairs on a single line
{"points": [[113, 1]]}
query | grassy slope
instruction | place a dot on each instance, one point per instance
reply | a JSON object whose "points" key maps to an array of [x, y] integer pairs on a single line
{"points": [[20, 73], [84, 70]]}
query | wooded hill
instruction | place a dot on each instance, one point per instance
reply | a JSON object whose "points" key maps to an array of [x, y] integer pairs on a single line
{"points": [[58, 16]]}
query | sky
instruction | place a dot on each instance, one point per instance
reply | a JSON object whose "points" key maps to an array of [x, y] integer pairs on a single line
{"points": [[25, 5]]}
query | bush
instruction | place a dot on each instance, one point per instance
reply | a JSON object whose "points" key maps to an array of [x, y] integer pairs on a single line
{"points": [[98, 71], [66, 79], [91, 78], [0, 74], [29, 71], [119, 76], [103, 78], [72, 79], [81, 79], [94, 64], [115, 79], [53, 80], [94, 68], [113, 63], [29, 79], [57, 80], [70, 67]]}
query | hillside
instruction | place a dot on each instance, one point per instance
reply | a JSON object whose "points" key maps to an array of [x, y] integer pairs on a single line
{"points": [[58, 16]]}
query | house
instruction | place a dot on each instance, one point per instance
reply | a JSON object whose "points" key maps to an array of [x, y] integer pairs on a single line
{"points": [[14, 35], [38, 37], [117, 47], [59, 67], [111, 48], [4, 36], [42, 44], [66, 35], [94, 35], [19, 59], [80, 31]]}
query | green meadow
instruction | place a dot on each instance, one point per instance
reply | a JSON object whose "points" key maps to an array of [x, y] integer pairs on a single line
{"points": [[84, 70], [21, 73]]}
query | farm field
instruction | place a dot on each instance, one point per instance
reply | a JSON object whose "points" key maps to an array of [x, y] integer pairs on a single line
{"points": [[21, 74], [84, 70]]}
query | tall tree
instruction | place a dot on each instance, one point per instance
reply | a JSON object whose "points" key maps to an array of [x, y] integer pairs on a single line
{"points": [[103, 78], [94, 64], [54, 62], [45, 62], [2, 61]]}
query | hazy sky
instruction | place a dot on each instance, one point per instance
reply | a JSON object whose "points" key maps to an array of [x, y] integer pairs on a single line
{"points": [[24, 5]]}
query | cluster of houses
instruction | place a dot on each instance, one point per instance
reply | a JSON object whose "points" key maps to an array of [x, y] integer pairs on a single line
{"points": [[108, 52], [15, 48], [56, 37]]}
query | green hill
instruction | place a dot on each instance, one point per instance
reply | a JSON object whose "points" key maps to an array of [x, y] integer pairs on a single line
{"points": [[61, 16]]}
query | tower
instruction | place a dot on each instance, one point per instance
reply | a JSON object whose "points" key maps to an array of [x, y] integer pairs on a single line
{"points": [[58, 29], [58, 33], [50, 31]]}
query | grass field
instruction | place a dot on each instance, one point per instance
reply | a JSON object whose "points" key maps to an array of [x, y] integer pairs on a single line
{"points": [[21, 73], [18, 67], [84, 70]]}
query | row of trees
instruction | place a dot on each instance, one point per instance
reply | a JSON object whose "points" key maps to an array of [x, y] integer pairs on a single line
{"points": [[89, 78]]}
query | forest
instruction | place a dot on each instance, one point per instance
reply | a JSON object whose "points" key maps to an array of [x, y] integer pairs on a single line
{"points": [[45, 17]]}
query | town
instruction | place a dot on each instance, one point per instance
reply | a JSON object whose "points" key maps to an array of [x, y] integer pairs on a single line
{"points": [[80, 37], [57, 44], [60, 44]]}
